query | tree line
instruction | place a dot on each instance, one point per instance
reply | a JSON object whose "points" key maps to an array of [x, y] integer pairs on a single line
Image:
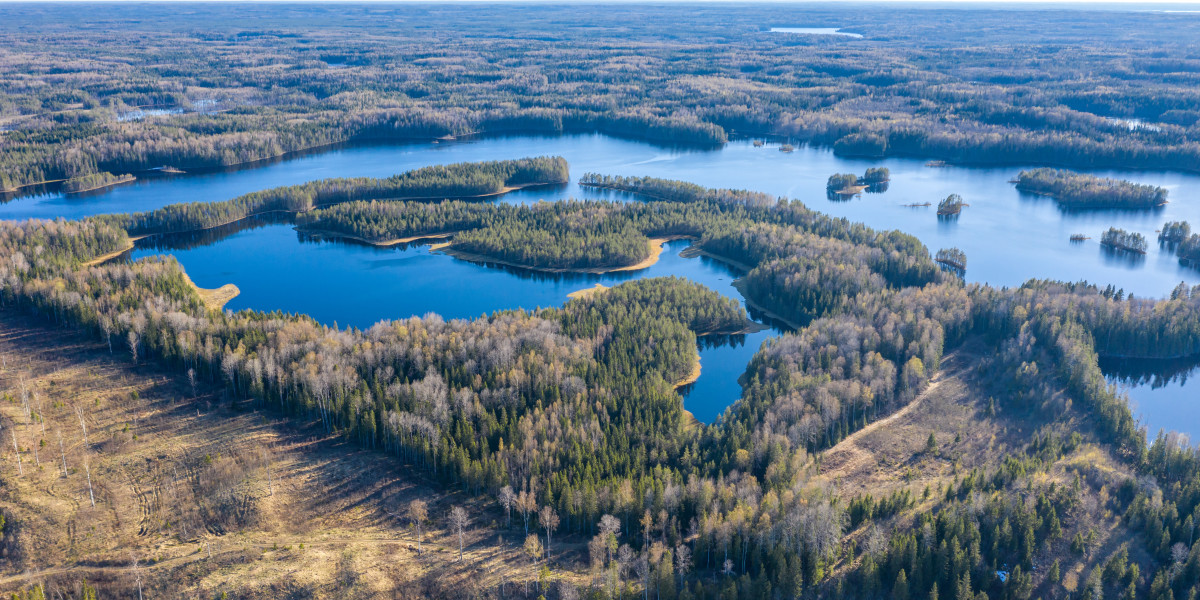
{"points": [[435, 183]]}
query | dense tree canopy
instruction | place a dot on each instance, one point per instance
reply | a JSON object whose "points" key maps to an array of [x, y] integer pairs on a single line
{"points": [[1087, 92], [1078, 190]]}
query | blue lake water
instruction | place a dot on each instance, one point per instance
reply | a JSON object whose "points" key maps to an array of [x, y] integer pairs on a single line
{"points": [[278, 268], [815, 31], [1009, 237]]}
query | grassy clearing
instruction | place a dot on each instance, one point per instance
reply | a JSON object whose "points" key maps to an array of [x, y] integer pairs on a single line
{"points": [[210, 496]]}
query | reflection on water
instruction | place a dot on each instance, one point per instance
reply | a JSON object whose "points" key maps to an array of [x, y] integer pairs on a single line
{"points": [[1162, 393], [815, 31], [1122, 258]]}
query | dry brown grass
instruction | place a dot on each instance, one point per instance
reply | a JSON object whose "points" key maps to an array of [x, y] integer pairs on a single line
{"points": [[182, 484]]}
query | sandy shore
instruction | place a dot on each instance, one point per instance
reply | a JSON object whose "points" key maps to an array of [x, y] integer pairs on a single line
{"points": [[585, 292], [214, 299], [655, 244], [383, 243], [691, 377], [103, 258], [851, 190]]}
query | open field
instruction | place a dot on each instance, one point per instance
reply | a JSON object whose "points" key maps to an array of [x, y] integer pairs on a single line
{"points": [[196, 496]]}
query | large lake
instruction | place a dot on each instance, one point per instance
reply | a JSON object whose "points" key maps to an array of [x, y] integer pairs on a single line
{"points": [[1009, 237]]}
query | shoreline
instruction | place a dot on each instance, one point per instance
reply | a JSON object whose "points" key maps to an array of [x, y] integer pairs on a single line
{"points": [[505, 190], [103, 186], [585, 292], [656, 249], [734, 135], [383, 243], [690, 422], [692, 375], [214, 299], [103, 258], [759, 308], [692, 251]]}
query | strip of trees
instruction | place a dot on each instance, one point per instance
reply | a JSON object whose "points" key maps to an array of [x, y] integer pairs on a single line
{"points": [[435, 183], [1078, 190]]}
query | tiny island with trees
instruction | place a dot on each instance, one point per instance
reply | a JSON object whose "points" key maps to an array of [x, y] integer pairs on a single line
{"points": [[1125, 241], [950, 206], [844, 185]]}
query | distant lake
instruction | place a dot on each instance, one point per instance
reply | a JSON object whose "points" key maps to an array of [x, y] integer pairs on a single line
{"points": [[815, 31], [1009, 237]]}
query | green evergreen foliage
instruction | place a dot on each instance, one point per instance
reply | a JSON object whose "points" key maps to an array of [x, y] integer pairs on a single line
{"points": [[1119, 239], [435, 183], [1078, 190]]}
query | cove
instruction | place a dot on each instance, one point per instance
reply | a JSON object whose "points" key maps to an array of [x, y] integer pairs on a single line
{"points": [[352, 284], [1009, 237], [1162, 393]]}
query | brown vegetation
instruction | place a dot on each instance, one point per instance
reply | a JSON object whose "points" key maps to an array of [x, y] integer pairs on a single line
{"points": [[208, 496]]}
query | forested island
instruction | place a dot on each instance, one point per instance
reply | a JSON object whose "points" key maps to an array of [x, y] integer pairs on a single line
{"points": [[565, 421], [950, 205], [475, 180], [1078, 190], [1119, 239], [1177, 236], [908, 88], [548, 236], [94, 182], [847, 184]]}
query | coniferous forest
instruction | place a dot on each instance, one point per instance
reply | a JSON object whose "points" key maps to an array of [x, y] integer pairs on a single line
{"points": [[222, 103], [901, 431]]}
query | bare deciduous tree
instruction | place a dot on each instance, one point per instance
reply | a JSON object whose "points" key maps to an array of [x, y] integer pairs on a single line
{"points": [[87, 467], [549, 520], [458, 522], [20, 469], [507, 499], [527, 504], [683, 561], [418, 512], [62, 450], [134, 340]]}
